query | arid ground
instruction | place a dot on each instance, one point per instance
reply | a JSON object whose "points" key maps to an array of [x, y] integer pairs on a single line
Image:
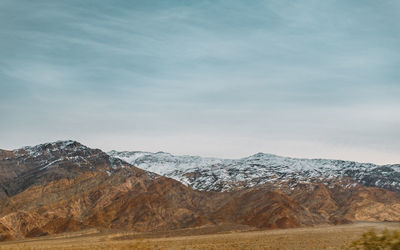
{"points": [[321, 237]]}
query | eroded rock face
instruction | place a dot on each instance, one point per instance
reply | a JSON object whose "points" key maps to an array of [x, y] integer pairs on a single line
{"points": [[65, 186]]}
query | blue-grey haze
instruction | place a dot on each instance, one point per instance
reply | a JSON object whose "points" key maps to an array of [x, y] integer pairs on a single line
{"points": [[216, 78]]}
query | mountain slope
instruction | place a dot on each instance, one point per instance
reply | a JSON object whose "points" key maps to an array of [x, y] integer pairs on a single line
{"points": [[212, 174], [65, 186]]}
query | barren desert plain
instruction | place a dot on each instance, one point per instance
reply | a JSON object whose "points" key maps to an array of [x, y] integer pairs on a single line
{"points": [[320, 237]]}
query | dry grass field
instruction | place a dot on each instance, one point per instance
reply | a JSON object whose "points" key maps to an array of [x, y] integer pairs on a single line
{"points": [[322, 237]]}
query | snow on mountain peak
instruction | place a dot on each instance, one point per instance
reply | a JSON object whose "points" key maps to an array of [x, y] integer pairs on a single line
{"points": [[66, 153], [225, 174], [67, 145]]}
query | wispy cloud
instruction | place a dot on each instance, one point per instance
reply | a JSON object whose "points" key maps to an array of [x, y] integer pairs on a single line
{"points": [[177, 76]]}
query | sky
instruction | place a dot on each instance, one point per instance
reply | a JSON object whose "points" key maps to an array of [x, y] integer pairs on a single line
{"points": [[311, 79]]}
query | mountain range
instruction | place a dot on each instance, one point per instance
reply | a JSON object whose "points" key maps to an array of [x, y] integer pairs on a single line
{"points": [[213, 174], [65, 186]]}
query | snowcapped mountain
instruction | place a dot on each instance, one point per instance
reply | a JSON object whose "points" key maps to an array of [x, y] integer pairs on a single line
{"points": [[52, 154], [213, 174], [51, 161]]}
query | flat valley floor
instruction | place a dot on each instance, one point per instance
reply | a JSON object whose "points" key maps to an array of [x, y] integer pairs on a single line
{"points": [[321, 237]]}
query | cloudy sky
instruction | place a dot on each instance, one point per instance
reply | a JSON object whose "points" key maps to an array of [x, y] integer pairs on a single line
{"points": [[317, 79]]}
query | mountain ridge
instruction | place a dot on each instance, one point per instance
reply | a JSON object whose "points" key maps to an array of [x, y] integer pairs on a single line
{"points": [[198, 172]]}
